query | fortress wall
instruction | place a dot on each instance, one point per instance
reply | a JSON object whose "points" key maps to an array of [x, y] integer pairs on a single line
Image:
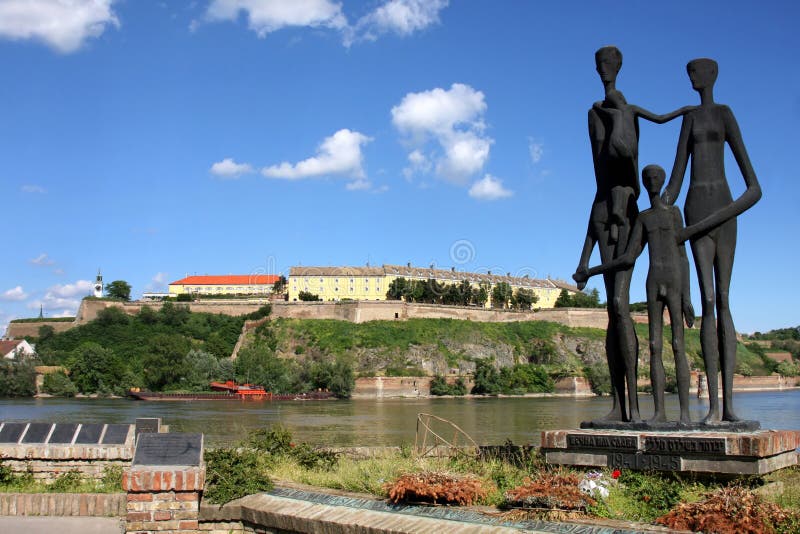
{"points": [[386, 387], [20, 330]]}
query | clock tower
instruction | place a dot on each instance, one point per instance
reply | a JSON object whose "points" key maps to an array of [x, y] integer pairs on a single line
{"points": [[98, 285]]}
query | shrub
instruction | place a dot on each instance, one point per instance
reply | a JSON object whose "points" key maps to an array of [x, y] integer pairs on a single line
{"points": [[550, 490], [275, 440], [435, 488], [652, 494], [439, 386], [731, 509], [59, 384], [69, 481], [232, 474], [17, 378], [310, 457]]}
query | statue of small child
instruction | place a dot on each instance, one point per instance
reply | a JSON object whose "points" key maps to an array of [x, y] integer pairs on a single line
{"points": [[661, 228], [623, 144]]}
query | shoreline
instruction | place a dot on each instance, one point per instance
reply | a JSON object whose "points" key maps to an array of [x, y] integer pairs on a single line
{"points": [[764, 389]]}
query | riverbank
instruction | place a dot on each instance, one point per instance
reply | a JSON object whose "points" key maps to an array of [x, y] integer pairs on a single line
{"points": [[385, 422]]}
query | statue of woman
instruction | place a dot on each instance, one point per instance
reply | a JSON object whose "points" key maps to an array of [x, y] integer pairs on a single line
{"points": [[710, 213]]}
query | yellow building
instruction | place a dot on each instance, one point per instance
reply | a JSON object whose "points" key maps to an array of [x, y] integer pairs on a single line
{"points": [[372, 283], [234, 284]]}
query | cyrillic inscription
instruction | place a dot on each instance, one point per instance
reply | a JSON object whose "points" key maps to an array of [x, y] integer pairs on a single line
{"points": [[602, 441], [684, 444]]}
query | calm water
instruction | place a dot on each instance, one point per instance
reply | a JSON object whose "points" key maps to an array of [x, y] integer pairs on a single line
{"points": [[386, 422]]}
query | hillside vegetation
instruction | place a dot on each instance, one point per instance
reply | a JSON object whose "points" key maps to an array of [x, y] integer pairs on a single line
{"points": [[174, 349]]}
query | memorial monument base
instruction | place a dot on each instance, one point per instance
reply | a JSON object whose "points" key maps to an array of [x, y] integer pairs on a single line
{"points": [[711, 452]]}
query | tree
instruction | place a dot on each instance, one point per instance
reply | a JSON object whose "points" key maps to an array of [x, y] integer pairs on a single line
{"points": [[96, 369], [524, 299], [397, 289], [119, 289], [59, 384], [580, 299], [46, 332], [480, 296], [165, 361], [279, 286], [486, 379], [307, 296], [501, 294], [17, 378]]}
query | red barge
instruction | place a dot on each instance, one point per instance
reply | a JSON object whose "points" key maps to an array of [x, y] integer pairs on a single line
{"points": [[229, 391]]}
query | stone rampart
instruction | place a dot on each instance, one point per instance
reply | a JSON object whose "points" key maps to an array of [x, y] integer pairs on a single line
{"points": [[22, 330], [387, 387]]}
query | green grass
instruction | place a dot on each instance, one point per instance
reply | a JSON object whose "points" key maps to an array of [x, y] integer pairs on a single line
{"points": [[69, 482], [45, 320]]}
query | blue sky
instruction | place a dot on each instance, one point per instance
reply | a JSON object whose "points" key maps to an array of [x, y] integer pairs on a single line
{"points": [[155, 139]]}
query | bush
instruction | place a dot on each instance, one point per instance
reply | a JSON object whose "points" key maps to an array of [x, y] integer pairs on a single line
{"points": [[275, 440], [59, 384], [232, 474], [439, 386], [262, 312], [310, 457], [17, 378], [598, 377], [436, 488], [67, 482]]}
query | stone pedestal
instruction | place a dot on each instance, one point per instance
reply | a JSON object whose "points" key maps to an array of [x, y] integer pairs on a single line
{"points": [[731, 453], [163, 499]]}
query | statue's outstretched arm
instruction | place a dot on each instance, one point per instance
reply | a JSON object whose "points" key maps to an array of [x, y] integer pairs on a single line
{"points": [[750, 196], [661, 119], [673, 188], [635, 247]]}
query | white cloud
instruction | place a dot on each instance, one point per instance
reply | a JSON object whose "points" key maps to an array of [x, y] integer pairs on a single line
{"points": [[15, 293], [418, 163], [267, 16], [454, 119], [158, 282], [227, 168], [62, 24], [42, 259], [359, 185], [79, 288], [33, 189], [402, 17], [489, 188], [64, 313], [536, 150], [63, 298], [338, 154]]}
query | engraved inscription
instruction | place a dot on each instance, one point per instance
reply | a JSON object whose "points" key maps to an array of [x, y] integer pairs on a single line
{"points": [[602, 441], [644, 462], [693, 445]]}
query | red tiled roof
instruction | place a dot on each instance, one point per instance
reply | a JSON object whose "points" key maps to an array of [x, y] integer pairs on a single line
{"points": [[231, 279], [8, 346]]}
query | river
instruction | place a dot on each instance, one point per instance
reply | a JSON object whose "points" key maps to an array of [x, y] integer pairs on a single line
{"points": [[381, 422]]}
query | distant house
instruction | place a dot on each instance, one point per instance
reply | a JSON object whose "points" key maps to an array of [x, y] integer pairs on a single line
{"points": [[9, 349], [246, 284]]}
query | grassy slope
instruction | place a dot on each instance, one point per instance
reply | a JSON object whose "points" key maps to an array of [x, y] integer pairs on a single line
{"points": [[341, 337]]}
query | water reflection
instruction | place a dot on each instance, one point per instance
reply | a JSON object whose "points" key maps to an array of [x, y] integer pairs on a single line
{"points": [[383, 422]]}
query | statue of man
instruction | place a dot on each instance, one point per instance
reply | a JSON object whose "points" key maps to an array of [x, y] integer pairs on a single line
{"points": [[614, 137]]}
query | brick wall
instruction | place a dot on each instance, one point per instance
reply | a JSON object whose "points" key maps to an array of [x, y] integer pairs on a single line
{"points": [[63, 504], [163, 498]]}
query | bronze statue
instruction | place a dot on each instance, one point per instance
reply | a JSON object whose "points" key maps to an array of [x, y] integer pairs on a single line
{"points": [[660, 228], [614, 134], [711, 213]]}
